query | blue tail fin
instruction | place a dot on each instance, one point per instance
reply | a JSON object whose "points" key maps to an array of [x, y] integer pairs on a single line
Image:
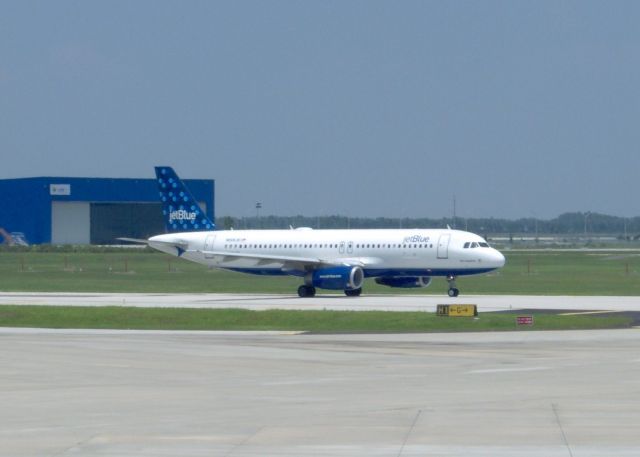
{"points": [[180, 210]]}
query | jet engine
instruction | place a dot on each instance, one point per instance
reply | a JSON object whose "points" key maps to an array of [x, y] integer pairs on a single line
{"points": [[338, 278]]}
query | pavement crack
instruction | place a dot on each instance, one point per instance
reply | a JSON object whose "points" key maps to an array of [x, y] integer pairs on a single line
{"points": [[243, 442], [554, 407], [406, 438]]}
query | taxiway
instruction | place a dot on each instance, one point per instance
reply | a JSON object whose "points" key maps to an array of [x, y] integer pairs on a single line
{"points": [[330, 301]]}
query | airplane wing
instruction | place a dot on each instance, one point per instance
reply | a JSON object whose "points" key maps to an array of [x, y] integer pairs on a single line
{"points": [[312, 262]]}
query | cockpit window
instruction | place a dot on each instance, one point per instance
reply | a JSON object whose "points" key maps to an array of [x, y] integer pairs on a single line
{"points": [[466, 245], [484, 245], [474, 245]]}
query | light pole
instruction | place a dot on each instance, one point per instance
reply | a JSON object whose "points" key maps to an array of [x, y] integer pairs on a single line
{"points": [[258, 208], [586, 216]]}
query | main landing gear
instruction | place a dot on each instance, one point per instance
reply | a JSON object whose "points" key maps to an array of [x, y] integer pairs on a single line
{"points": [[306, 291], [353, 292], [310, 291], [453, 290]]}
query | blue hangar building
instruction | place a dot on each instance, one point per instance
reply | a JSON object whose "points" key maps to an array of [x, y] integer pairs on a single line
{"points": [[61, 210]]}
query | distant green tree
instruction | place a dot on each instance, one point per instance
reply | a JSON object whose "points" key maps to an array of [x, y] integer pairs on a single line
{"points": [[228, 222]]}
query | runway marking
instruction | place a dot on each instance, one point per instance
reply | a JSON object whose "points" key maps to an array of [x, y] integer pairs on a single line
{"points": [[507, 370], [589, 312]]}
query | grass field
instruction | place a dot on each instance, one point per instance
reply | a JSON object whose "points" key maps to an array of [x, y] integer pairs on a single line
{"points": [[534, 272], [311, 321]]}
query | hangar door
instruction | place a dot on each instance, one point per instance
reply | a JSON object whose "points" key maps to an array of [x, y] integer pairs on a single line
{"points": [[70, 223], [109, 221]]}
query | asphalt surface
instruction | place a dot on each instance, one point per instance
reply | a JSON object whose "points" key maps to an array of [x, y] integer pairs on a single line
{"points": [[486, 303], [135, 393], [154, 393]]}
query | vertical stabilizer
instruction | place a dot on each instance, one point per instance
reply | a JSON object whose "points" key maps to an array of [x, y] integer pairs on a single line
{"points": [[180, 210]]}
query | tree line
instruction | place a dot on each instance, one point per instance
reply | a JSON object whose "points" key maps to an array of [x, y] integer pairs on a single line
{"points": [[576, 223]]}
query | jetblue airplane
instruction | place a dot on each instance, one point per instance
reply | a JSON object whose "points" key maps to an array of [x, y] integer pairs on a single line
{"points": [[324, 259]]}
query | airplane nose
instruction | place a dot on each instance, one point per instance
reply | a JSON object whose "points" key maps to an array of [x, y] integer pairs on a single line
{"points": [[499, 258]]}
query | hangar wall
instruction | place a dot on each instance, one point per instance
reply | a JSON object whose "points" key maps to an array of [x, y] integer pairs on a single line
{"points": [[64, 210]]}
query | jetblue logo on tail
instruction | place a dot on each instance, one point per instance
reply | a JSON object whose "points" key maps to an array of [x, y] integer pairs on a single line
{"points": [[182, 216], [180, 209]]}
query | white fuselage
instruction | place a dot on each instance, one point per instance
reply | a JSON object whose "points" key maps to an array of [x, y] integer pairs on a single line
{"points": [[380, 252]]}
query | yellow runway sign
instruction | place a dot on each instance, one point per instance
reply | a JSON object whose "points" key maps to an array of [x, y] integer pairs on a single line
{"points": [[457, 310]]}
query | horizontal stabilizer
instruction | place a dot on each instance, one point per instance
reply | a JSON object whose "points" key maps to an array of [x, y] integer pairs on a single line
{"points": [[134, 240]]}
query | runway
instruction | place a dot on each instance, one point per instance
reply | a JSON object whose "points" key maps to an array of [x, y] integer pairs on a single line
{"points": [[486, 303], [145, 394]]}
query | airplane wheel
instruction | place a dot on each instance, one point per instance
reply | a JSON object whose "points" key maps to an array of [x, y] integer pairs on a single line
{"points": [[306, 291], [353, 292], [453, 292]]}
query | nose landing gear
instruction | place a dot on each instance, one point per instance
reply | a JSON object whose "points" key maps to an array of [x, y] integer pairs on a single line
{"points": [[453, 290]]}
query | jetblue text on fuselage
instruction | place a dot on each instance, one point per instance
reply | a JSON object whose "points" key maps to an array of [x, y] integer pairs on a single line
{"points": [[182, 215], [416, 239]]}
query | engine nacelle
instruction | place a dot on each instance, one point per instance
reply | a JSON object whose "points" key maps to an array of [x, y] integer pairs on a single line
{"points": [[405, 282], [338, 278]]}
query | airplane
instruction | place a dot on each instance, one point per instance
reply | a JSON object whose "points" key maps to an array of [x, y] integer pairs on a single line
{"points": [[323, 259]]}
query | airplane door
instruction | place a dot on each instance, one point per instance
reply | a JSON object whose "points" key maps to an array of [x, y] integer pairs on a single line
{"points": [[443, 246], [208, 245], [350, 247], [341, 247]]}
